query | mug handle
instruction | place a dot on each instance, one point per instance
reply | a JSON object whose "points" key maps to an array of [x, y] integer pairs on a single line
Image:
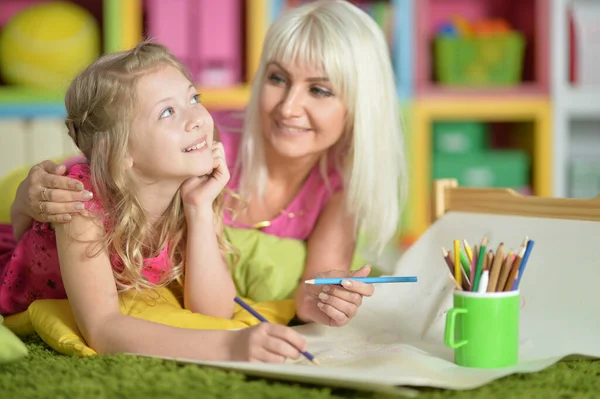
{"points": [[449, 338]]}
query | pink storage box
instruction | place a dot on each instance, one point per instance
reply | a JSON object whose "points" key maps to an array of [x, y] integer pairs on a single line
{"points": [[204, 34]]}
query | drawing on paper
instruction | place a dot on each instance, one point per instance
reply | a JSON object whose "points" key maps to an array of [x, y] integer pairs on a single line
{"points": [[353, 349]]}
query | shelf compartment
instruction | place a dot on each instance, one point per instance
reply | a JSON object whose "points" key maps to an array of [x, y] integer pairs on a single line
{"points": [[583, 164], [530, 19], [499, 110]]}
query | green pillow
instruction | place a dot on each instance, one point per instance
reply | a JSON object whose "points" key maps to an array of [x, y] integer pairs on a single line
{"points": [[11, 347], [269, 267]]}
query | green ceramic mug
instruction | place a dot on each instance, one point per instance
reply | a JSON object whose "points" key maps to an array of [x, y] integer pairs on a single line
{"points": [[483, 329]]}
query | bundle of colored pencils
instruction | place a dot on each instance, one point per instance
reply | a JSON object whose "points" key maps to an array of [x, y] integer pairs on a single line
{"points": [[484, 270]]}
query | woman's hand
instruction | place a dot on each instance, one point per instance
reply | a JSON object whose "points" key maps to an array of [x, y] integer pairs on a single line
{"points": [[47, 196], [334, 305], [200, 192]]}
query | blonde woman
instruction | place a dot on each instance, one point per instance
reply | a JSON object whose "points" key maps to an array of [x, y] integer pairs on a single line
{"points": [[157, 177], [319, 154]]}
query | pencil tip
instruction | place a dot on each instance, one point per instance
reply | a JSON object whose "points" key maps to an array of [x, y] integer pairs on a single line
{"points": [[316, 361], [309, 281]]}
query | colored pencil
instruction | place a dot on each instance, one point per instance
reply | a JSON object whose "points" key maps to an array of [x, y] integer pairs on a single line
{"points": [[466, 281], [458, 287], [495, 268], [468, 251], [504, 271], [457, 271], [369, 280], [523, 264], [465, 264], [474, 262], [254, 313], [483, 283], [448, 259], [479, 267], [513, 271], [489, 259]]}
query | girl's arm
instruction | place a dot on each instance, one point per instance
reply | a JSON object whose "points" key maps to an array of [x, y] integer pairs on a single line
{"points": [[329, 251], [91, 289], [209, 288]]}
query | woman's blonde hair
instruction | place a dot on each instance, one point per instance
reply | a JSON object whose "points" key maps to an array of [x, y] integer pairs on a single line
{"points": [[100, 104], [351, 50]]}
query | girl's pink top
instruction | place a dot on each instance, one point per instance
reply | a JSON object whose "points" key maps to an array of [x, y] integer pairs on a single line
{"points": [[31, 270], [298, 219]]}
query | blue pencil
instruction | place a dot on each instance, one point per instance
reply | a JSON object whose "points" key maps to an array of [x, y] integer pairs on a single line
{"points": [[523, 263], [254, 313], [370, 280]]}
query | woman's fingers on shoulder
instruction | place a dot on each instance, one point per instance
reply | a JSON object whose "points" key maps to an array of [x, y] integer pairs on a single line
{"points": [[62, 183], [43, 177], [46, 166]]}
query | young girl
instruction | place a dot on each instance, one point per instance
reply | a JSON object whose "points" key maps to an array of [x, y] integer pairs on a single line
{"points": [[156, 178], [320, 157]]}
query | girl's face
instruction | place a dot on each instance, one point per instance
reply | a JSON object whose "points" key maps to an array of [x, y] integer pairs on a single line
{"points": [[172, 133], [300, 113]]}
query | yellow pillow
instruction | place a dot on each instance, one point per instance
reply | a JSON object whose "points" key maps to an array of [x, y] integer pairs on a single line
{"points": [[53, 320]]}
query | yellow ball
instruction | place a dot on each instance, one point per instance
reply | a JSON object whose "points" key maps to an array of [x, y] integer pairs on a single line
{"points": [[47, 45]]}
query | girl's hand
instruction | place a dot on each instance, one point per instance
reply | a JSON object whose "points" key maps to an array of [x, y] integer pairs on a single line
{"points": [[335, 305], [268, 343], [198, 192], [48, 196]]}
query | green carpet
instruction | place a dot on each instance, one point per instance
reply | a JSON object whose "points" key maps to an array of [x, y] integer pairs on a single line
{"points": [[44, 374]]}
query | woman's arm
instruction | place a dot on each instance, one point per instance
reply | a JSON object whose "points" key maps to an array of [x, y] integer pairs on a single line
{"points": [[209, 288], [93, 297], [330, 250], [19, 218], [61, 197]]}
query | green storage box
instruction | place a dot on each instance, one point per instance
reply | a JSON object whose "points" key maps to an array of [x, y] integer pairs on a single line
{"points": [[501, 168], [459, 137], [475, 61]]}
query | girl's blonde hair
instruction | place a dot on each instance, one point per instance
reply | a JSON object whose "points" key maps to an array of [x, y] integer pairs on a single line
{"points": [[351, 50], [100, 104]]}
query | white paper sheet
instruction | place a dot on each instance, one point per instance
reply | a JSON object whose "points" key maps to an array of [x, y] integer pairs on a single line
{"points": [[397, 337]]}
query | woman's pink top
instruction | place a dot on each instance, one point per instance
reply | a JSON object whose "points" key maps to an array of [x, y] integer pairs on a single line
{"points": [[298, 219], [31, 270]]}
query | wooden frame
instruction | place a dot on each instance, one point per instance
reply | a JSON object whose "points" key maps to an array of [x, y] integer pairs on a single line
{"points": [[448, 196]]}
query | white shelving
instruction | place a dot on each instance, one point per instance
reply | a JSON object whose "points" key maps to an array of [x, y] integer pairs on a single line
{"points": [[576, 114]]}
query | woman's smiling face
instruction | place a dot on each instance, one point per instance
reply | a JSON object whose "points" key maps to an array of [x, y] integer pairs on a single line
{"points": [[301, 115]]}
